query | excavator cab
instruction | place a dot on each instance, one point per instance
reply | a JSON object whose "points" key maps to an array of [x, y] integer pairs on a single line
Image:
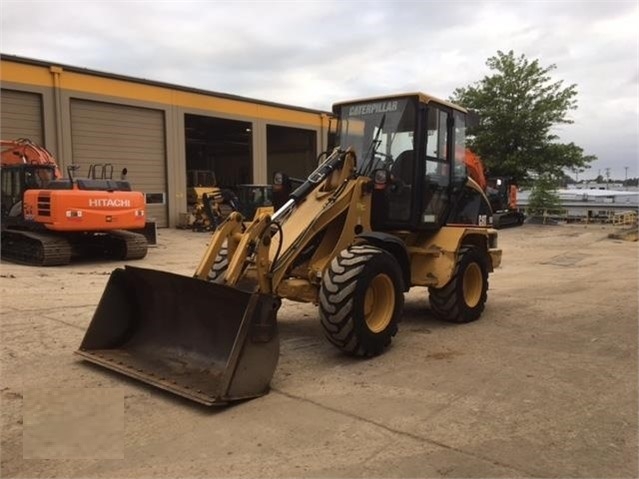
{"points": [[18, 178]]}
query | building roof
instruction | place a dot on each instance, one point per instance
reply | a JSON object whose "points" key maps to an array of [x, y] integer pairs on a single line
{"points": [[87, 71]]}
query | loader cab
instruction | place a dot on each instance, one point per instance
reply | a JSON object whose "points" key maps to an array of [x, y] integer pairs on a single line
{"points": [[413, 148]]}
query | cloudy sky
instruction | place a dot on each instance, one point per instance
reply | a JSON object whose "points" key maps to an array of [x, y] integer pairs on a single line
{"points": [[314, 53]]}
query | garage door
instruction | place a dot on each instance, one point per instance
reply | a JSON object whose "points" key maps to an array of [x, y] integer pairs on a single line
{"points": [[21, 116], [125, 137]]}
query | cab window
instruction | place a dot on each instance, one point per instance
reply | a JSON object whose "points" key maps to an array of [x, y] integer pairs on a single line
{"points": [[436, 168]]}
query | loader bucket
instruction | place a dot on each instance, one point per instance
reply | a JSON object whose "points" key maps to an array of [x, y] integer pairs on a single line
{"points": [[207, 342]]}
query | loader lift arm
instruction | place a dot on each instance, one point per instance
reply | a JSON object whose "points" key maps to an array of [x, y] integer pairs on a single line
{"points": [[252, 244]]}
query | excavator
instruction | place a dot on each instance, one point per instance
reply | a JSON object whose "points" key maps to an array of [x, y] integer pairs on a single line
{"points": [[500, 191], [48, 220], [502, 194], [388, 208]]}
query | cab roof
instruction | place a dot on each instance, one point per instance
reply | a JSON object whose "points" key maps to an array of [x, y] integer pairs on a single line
{"points": [[423, 98]]}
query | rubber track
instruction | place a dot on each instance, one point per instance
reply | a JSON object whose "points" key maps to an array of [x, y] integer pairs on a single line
{"points": [[35, 249], [135, 243]]}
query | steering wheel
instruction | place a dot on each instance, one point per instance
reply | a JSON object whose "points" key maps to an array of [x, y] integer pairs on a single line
{"points": [[381, 161]]}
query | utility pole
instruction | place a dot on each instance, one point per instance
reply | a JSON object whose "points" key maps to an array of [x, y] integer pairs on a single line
{"points": [[626, 175]]}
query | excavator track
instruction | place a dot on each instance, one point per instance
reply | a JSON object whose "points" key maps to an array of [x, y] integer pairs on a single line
{"points": [[51, 249], [35, 249], [126, 245]]}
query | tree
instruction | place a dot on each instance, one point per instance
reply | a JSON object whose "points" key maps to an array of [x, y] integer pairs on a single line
{"points": [[518, 106], [565, 180], [543, 197]]}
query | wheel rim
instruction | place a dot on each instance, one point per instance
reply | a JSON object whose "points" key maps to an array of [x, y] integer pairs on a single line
{"points": [[473, 285], [379, 303]]}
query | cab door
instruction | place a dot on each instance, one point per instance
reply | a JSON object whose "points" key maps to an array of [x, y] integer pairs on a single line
{"points": [[436, 158], [12, 189]]}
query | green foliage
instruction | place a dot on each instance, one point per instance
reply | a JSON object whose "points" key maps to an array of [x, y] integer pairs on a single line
{"points": [[543, 197], [565, 180], [518, 106]]}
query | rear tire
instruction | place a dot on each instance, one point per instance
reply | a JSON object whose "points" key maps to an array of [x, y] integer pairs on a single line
{"points": [[463, 298], [361, 300]]}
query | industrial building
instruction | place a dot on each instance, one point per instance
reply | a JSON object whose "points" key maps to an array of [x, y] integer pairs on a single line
{"points": [[161, 133]]}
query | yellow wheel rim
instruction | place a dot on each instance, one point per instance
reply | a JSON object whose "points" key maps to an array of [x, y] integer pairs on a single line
{"points": [[379, 303], [473, 285]]}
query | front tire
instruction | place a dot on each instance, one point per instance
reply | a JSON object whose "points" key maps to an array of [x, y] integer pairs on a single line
{"points": [[463, 298], [361, 300], [220, 265]]}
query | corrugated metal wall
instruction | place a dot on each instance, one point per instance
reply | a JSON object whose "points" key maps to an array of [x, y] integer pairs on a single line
{"points": [[126, 137], [21, 116]]}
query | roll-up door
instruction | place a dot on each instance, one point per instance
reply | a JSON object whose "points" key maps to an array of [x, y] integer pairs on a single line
{"points": [[21, 116], [125, 137]]}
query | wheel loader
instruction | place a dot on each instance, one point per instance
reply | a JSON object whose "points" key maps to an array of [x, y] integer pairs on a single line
{"points": [[388, 209], [208, 204]]}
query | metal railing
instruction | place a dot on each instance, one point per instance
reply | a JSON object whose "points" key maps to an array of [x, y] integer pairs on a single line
{"points": [[625, 218]]}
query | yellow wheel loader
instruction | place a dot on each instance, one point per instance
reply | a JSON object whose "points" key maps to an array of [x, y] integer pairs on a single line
{"points": [[208, 204], [390, 209]]}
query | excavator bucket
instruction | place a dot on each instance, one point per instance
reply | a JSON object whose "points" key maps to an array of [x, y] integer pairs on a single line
{"points": [[205, 341]]}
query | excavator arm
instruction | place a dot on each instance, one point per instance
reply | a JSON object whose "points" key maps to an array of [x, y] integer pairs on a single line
{"points": [[24, 151]]}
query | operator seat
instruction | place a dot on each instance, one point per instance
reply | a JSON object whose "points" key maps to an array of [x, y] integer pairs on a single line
{"points": [[403, 166], [399, 200]]}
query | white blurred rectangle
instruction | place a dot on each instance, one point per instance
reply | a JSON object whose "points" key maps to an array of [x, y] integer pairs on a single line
{"points": [[73, 423]]}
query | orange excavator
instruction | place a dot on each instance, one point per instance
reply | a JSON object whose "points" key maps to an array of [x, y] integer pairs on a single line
{"points": [[49, 220], [500, 191]]}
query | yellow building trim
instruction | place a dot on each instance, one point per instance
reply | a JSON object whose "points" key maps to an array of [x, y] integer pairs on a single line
{"points": [[23, 73]]}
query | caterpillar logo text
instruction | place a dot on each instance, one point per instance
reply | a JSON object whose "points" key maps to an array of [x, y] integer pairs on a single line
{"points": [[372, 108], [109, 203]]}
